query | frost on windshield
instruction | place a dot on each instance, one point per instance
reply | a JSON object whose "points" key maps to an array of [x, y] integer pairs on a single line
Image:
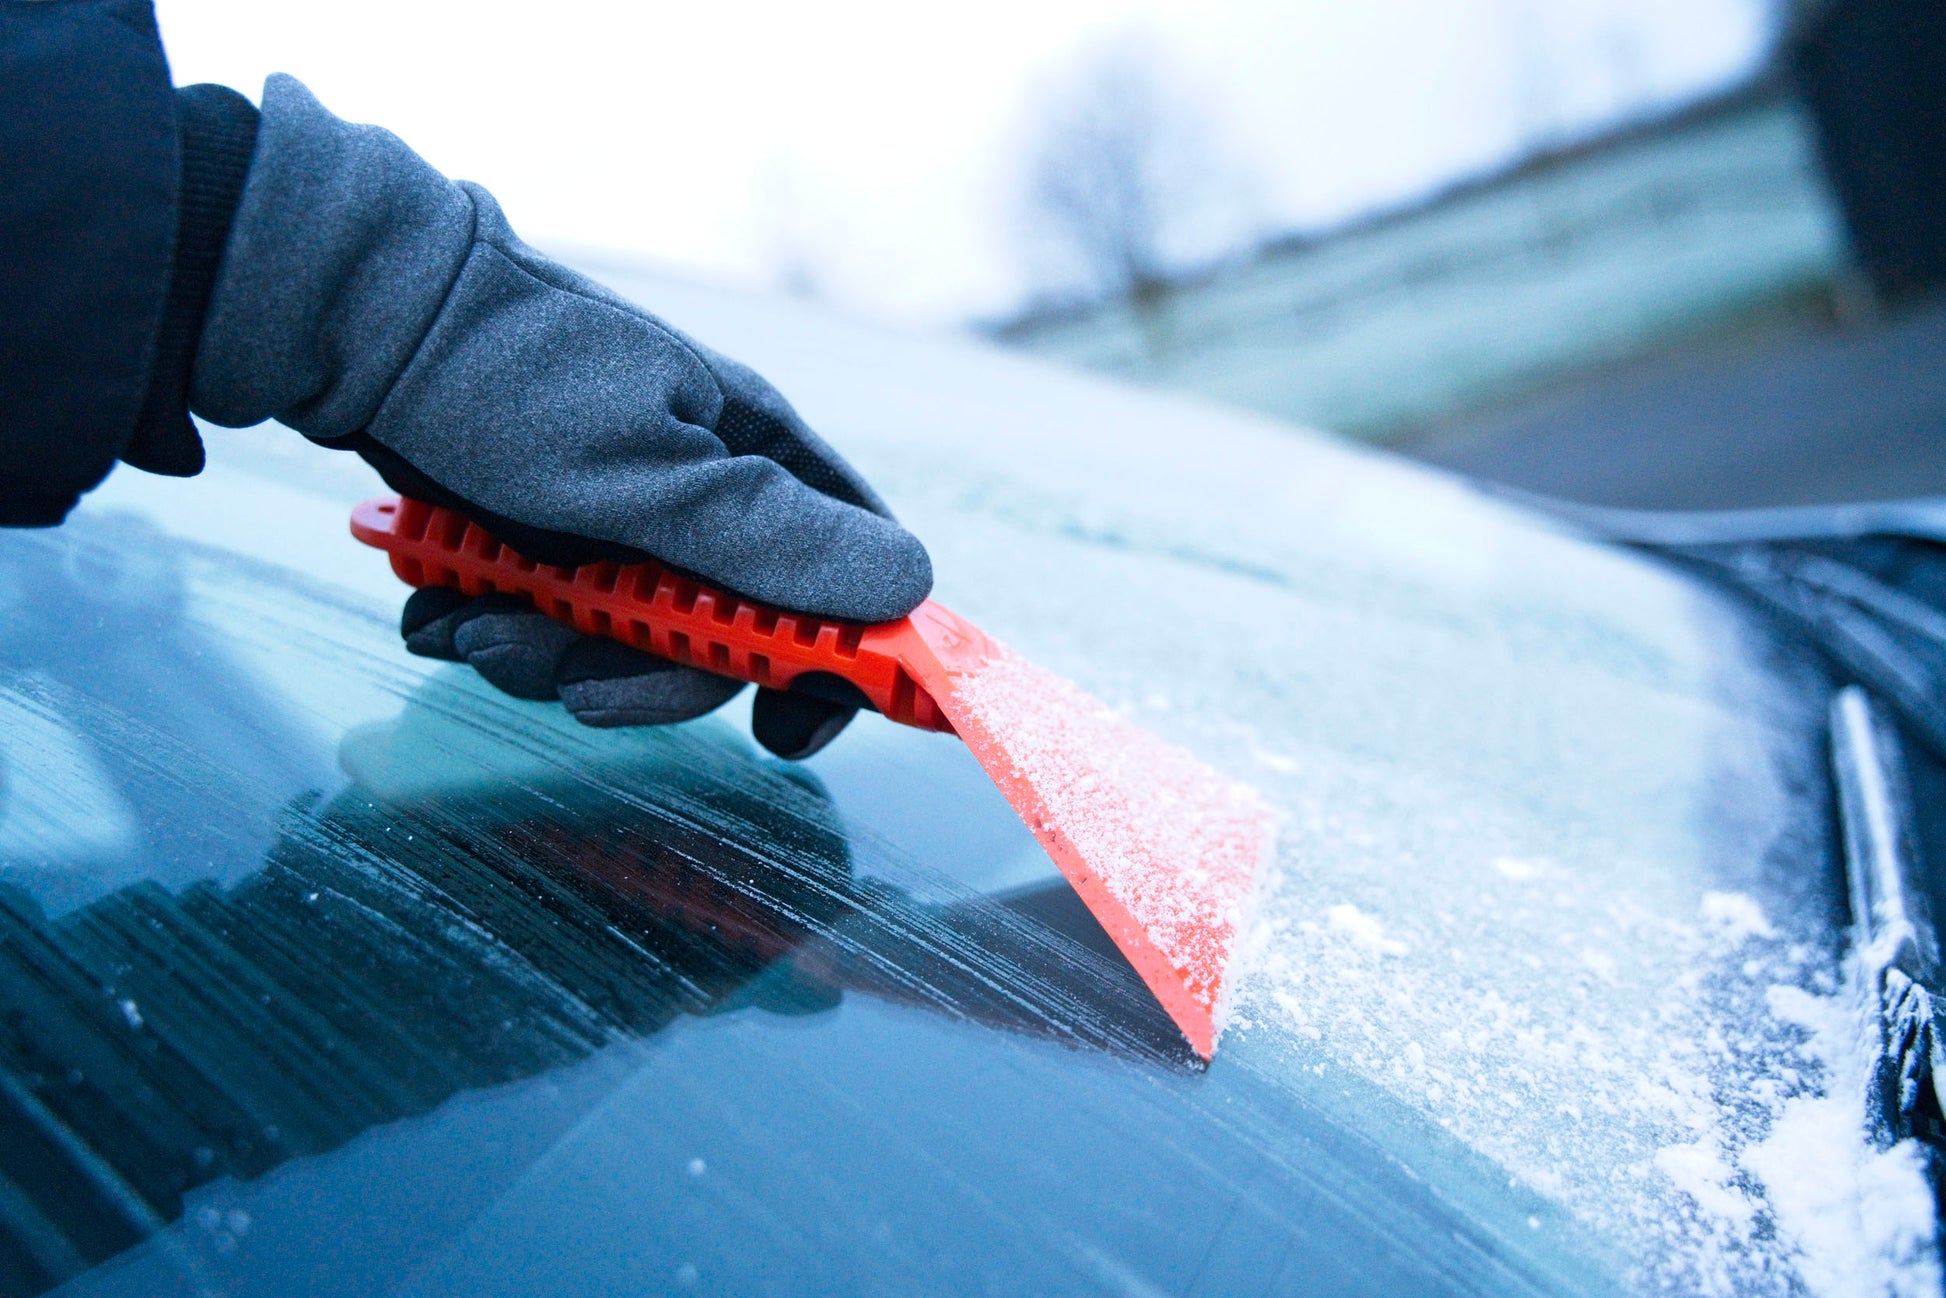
{"points": [[1555, 887], [1554, 875]]}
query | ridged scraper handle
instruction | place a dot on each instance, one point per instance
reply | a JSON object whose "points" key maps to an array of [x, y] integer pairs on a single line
{"points": [[653, 608]]}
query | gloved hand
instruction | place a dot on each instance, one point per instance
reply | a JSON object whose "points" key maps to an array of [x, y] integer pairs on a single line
{"points": [[372, 304]]}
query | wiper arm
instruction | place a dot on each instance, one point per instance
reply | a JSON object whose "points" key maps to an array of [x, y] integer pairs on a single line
{"points": [[1895, 946]]}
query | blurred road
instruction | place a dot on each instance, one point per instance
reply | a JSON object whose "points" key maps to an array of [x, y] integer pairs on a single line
{"points": [[1852, 415]]}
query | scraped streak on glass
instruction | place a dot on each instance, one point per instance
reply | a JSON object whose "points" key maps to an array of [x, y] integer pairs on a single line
{"points": [[1178, 845]]}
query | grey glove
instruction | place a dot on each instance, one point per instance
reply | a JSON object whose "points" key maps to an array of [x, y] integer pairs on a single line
{"points": [[372, 304]]}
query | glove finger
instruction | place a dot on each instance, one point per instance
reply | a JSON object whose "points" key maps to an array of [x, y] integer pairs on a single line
{"points": [[605, 683], [757, 420], [427, 621], [745, 429], [759, 531], [517, 649], [794, 726]]}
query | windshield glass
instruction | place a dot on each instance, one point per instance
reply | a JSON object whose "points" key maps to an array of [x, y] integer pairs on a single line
{"points": [[472, 975], [334, 971]]}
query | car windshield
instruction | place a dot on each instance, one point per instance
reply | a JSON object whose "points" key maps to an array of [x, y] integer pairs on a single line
{"points": [[478, 971], [328, 969]]}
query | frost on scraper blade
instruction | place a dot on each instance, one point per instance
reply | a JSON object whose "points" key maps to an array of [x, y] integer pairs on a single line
{"points": [[1165, 851]]}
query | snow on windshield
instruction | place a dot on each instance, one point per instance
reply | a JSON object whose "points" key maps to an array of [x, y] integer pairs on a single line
{"points": [[1555, 876], [1553, 873]]}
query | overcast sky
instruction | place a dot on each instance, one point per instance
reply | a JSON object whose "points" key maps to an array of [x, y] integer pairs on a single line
{"points": [[877, 143]]}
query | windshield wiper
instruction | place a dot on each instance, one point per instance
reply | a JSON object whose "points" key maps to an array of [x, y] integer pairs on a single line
{"points": [[1866, 586], [1895, 946]]}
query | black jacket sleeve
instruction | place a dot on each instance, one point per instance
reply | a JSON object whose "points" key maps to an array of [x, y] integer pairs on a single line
{"points": [[115, 197]]}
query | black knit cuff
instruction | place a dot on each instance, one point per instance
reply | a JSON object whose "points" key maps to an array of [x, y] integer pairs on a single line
{"points": [[218, 128]]}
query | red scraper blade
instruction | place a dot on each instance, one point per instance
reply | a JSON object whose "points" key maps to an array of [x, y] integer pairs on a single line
{"points": [[1166, 852]]}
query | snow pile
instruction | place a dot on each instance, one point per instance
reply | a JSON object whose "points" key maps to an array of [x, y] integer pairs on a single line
{"points": [[1860, 1217]]}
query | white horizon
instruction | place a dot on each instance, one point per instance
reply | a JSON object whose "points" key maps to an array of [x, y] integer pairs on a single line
{"points": [[869, 146]]}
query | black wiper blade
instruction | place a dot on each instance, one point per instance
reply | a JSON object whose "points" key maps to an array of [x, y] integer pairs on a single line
{"points": [[1894, 926]]}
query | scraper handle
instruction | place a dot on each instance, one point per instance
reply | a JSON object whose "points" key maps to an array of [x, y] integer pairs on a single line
{"points": [[650, 607]]}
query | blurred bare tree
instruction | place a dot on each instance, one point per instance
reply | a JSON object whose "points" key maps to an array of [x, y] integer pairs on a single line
{"points": [[798, 238], [1124, 184]]}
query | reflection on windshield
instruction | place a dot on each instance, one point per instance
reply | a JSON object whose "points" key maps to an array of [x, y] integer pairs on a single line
{"points": [[120, 723], [393, 953], [460, 916], [336, 892]]}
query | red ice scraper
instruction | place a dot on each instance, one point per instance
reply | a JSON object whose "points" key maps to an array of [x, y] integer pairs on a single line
{"points": [[1165, 851]]}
